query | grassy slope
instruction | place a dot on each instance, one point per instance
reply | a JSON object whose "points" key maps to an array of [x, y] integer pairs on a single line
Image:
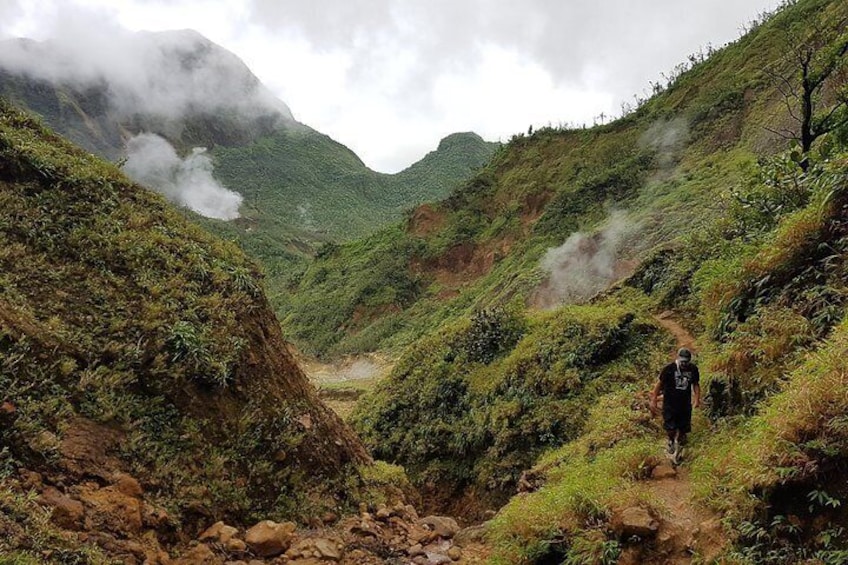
{"points": [[116, 310], [482, 245], [764, 291]]}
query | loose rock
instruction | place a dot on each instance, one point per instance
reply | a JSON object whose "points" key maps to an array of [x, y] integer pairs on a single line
{"points": [[635, 521], [201, 554], [219, 532], [268, 538], [442, 526], [415, 550], [327, 549]]}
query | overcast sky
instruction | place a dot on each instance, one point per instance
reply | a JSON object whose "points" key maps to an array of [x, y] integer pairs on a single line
{"points": [[389, 78]]}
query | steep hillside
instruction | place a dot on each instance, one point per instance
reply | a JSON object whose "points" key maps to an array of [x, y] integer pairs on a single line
{"points": [[145, 383], [641, 182], [733, 231]]}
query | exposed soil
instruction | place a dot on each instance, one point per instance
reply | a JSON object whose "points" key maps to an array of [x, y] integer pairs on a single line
{"points": [[681, 334], [685, 527], [426, 220]]}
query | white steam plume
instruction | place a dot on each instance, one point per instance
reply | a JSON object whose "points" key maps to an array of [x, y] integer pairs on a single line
{"points": [[586, 264], [668, 138], [153, 162]]}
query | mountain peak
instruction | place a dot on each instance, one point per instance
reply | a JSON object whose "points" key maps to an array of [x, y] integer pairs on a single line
{"points": [[458, 139], [168, 74]]}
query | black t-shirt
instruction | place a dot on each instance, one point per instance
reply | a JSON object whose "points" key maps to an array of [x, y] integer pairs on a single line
{"points": [[677, 384]]}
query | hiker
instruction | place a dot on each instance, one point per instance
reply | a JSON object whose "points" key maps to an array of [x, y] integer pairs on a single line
{"points": [[679, 384]]}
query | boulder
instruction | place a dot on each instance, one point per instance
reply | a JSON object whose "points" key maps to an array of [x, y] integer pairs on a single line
{"points": [[218, 532], [327, 549], [235, 545], [635, 521], [268, 539], [442, 526]]}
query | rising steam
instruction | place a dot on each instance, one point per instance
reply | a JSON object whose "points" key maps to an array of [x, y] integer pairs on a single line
{"points": [[153, 162], [586, 264], [668, 138]]}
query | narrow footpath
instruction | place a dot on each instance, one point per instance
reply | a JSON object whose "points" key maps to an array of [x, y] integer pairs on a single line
{"points": [[686, 528]]}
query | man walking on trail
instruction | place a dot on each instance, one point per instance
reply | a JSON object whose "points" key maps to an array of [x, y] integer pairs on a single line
{"points": [[680, 386]]}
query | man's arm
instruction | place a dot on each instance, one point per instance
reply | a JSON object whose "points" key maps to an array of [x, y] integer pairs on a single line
{"points": [[696, 389], [655, 394]]}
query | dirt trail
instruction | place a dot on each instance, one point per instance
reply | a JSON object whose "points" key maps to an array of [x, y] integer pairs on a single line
{"points": [[685, 528], [681, 334]]}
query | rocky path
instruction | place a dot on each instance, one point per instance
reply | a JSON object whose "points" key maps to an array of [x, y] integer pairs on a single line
{"points": [[685, 528]]}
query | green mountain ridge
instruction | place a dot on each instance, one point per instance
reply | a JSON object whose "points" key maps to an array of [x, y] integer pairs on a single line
{"points": [[300, 186], [734, 232]]}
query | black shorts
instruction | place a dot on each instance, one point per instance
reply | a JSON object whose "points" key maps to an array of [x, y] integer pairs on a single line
{"points": [[677, 418]]}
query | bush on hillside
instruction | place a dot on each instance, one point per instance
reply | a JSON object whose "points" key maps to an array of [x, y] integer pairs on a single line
{"points": [[460, 417]]}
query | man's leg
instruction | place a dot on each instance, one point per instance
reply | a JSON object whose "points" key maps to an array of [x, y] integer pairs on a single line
{"points": [[679, 450]]}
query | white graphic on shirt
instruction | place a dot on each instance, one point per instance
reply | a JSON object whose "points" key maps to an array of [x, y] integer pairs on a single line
{"points": [[681, 379]]}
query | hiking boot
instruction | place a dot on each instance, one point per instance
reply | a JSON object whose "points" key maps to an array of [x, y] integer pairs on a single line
{"points": [[671, 447], [677, 458]]}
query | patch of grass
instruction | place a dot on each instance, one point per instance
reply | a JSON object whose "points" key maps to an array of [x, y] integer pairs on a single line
{"points": [[585, 482], [788, 459]]}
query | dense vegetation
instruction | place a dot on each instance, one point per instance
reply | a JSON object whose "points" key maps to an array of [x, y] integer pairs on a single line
{"points": [[476, 403]]}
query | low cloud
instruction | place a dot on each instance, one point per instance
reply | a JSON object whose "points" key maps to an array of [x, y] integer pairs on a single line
{"points": [[153, 162], [586, 264], [168, 74]]}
